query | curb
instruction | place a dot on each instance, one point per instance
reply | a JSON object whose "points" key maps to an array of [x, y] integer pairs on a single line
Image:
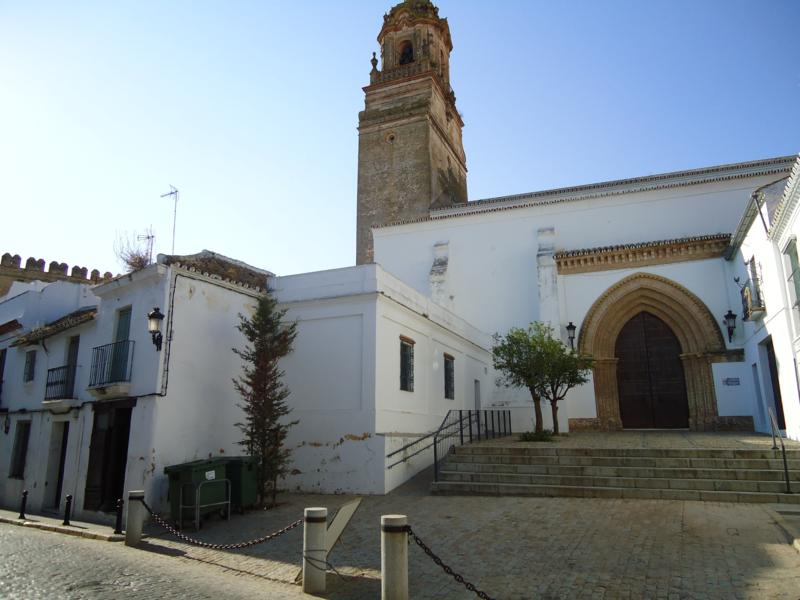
{"points": [[792, 531], [92, 535]]}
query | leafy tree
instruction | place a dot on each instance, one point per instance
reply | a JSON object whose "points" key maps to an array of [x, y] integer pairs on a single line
{"points": [[532, 358], [564, 369], [264, 394]]}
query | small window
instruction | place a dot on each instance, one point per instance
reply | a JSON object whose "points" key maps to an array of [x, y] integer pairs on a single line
{"points": [[406, 364], [23, 432], [30, 366], [449, 377], [406, 53]]}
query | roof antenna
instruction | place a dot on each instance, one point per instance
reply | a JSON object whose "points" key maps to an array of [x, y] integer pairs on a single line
{"points": [[173, 191], [149, 237]]}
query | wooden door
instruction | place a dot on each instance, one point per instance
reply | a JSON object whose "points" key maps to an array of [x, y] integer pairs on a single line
{"points": [[650, 378]]}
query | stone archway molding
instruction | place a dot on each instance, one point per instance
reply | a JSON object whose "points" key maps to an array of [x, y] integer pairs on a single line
{"points": [[689, 318]]}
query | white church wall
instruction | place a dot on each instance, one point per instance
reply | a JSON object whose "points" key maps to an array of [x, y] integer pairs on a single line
{"points": [[492, 272]]}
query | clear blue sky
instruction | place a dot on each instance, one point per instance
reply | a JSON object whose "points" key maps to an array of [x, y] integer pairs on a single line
{"points": [[250, 109]]}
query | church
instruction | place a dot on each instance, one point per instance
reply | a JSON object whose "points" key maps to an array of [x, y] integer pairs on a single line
{"points": [[650, 273], [682, 286]]}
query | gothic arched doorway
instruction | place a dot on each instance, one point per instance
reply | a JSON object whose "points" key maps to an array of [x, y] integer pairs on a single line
{"points": [[688, 320], [650, 378]]}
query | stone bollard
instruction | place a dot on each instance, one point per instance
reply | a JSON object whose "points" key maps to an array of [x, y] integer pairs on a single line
{"points": [[394, 557], [314, 547], [136, 516]]}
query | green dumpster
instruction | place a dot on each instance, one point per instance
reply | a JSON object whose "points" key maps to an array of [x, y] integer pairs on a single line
{"points": [[197, 489], [242, 471]]}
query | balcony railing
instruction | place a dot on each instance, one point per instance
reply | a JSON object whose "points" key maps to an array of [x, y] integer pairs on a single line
{"points": [[60, 383], [752, 300], [111, 363]]}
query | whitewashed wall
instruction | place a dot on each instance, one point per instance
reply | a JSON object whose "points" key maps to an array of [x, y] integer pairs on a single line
{"points": [[492, 270], [781, 323]]}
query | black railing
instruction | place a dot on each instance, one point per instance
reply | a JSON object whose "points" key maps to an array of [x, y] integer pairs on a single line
{"points": [[111, 363], [465, 426], [60, 383], [471, 427]]}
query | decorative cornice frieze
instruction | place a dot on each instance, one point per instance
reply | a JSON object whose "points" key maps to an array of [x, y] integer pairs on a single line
{"points": [[678, 179], [641, 254], [788, 204]]}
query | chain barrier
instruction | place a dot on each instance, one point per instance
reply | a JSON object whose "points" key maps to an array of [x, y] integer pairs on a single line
{"points": [[460, 579], [322, 565], [202, 544]]}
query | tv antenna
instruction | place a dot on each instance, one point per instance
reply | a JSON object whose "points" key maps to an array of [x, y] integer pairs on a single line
{"points": [[149, 237], [173, 191]]}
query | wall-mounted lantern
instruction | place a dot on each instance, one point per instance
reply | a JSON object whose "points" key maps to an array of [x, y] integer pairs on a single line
{"points": [[154, 319], [730, 323], [571, 335]]}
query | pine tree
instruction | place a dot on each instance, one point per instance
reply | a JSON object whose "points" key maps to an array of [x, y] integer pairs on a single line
{"points": [[264, 394]]}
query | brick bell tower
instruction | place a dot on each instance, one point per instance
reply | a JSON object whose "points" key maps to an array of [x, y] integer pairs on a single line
{"points": [[410, 154]]}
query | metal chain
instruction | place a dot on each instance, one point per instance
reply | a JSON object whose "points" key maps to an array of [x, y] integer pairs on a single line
{"points": [[238, 546], [460, 579]]}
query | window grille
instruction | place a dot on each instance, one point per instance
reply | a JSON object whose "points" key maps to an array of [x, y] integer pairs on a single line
{"points": [[449, 377], [30, 365], [406, 364]]}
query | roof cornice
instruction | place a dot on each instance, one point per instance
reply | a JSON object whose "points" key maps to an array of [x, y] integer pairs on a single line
{"points": [[676, 179], [626, 256], [788, 203]]}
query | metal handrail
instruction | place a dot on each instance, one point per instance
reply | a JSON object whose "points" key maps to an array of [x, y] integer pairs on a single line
{"points": [[776, 432], [446, 427], [455, 431]]}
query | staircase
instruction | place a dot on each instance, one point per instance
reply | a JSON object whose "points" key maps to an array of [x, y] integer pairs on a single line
{"points": [[650, 473]]}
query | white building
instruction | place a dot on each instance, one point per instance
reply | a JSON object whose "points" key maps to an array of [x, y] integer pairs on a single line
{"points": [[105, 411], [599, 256]]}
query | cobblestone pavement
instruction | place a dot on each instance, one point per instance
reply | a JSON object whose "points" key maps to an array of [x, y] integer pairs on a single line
{"points": [[515, 548], [38, 564], [657, 439]]}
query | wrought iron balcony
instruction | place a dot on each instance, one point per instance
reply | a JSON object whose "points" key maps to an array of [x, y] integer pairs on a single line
{"points": [[752, 300], [60, 383], [111, 364]]}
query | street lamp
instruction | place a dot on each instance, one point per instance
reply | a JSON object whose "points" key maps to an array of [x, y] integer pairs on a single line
{"points": [[154, 319], [571, 334], [730, 323]]}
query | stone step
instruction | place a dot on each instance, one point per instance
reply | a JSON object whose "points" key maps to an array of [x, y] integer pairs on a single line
{"points": [[521, 450], [507, 489], [628, 461], [727, 485], [645, 472]]}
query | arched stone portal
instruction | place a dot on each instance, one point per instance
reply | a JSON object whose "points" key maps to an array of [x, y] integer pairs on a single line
{"points": [[684, 313]]}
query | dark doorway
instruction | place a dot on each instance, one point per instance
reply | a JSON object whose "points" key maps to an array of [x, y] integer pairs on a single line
{"points": [[650, 379], [61, 438], [108, 456], [776, 386]]}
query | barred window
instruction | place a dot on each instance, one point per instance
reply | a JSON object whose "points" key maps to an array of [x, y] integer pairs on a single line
{"points": [[20, 451], [449, 377], [30, 366], [406, 364]]}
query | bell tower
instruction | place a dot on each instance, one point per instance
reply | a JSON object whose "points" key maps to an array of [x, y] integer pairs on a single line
{"points": [[410, 154]]}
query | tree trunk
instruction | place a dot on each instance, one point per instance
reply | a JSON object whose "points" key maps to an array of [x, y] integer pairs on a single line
{"points": [[554, 408], [274, 490], [537, 413]]}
